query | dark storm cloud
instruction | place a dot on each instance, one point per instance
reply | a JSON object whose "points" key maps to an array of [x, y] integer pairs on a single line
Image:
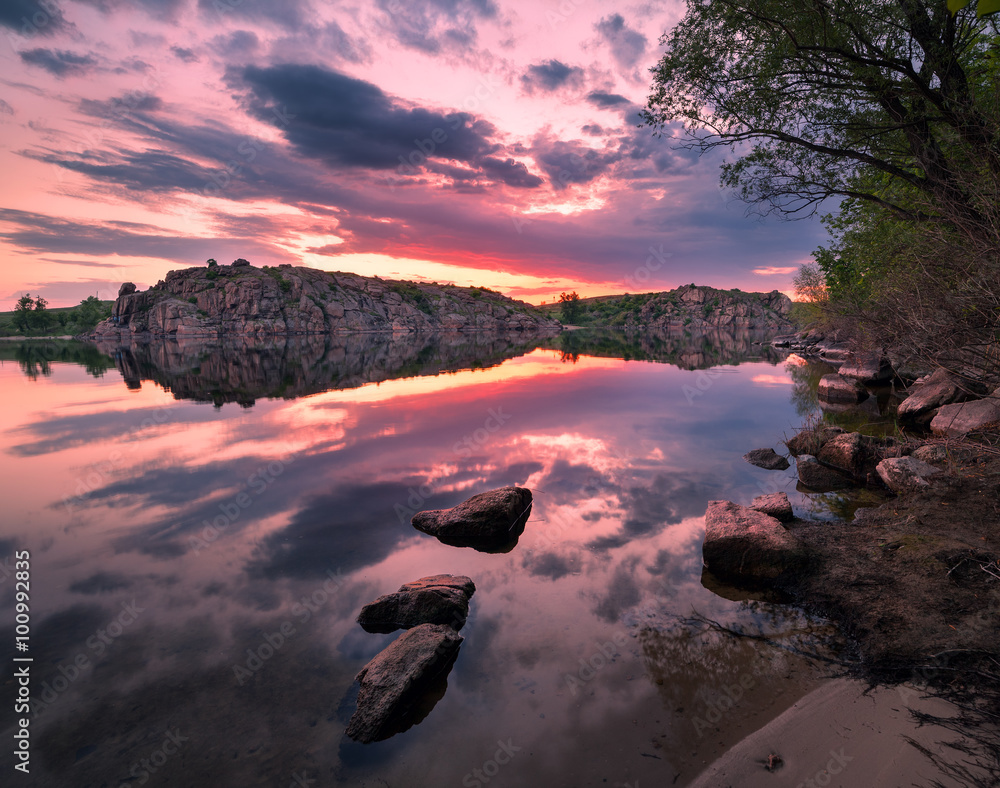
{"points": [[59, 62], [435, 25], [348, 122], [572, 162], [31, 18], [627, 45], [513, 173], [551, 75], [101, 583], [121, 105], [238, 42], [604, 100]]}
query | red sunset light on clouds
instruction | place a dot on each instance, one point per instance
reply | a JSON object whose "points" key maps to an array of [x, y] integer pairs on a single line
{"points": [[468, 141]]}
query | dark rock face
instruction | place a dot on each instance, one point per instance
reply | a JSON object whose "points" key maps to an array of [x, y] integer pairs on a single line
{"points": [[767, 459], [126, 289], [239, 299], [748, 547], [839, 390], [818, 478], [438, 599], [775, 505], [488, 521], [397, 678]]}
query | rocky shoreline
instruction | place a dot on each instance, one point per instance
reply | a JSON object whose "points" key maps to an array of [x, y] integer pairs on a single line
{"points": [[913, 577]]}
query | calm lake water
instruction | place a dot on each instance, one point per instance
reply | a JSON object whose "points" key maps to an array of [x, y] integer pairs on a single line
{"points": [[184, 505]]}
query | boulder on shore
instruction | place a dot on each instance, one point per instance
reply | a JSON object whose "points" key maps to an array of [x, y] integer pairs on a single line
{"points": [[398, 677], [819, 478], [964, 417], [775, 505], [939, 388], [840, 390], [438, 599], [748, 547], [811, 441], [857, 455], [488, 521], [905, 473], [768, 459]]}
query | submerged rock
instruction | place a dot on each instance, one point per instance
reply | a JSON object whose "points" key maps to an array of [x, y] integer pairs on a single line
{"points": [[745, 546], [488, 521], [905, 473], [839, 390], [964, 417], [775, 505], [394, 681], [438, 599], [768, 459], [818, 478]]}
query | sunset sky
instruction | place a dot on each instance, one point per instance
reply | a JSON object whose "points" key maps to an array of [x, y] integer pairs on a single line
{"points": [[479, 142]]}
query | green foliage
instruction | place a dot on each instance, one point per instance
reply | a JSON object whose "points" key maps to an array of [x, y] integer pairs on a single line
{"points": [[212, 262], [192, 299], [570, 306], [22, 311]]}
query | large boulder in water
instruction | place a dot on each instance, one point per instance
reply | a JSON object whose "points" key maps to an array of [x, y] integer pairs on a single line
{"points": [[399, 677], [840, 390], [748, 547], [488, 521], [438, 599]]}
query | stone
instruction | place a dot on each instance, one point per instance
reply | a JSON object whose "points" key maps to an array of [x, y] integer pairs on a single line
{"points": [[856, 454], [488, 521], [961, 418], [819, 478], [398, 677], [868, 369], [748, 547], [841, 390], [811, 441], [437, 599], [767, 459], [932, 454], [241, 300], [775, 505], [902, 474], [127, 288], [930, 393]]}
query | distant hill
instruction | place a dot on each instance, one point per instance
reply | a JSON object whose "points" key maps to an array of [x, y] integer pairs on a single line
{"points": [[691, 307], [240, 299]]}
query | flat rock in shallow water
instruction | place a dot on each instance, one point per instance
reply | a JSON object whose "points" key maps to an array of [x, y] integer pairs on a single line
{"points": [[438, 599], [748, 547], [840, 391], [768, 459], [398, 676], [488, 521]]}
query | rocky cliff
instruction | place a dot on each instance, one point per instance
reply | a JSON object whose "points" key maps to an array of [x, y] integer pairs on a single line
{"points": [[240, 299], [691, 307]]}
